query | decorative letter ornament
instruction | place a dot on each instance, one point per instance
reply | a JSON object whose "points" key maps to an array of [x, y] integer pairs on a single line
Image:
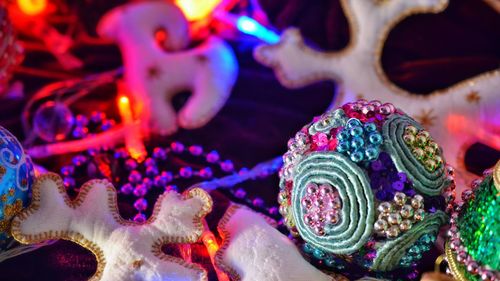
{"points": [[364, 187], [254, 250], [124, 250], [456, 116], [153, 37]]}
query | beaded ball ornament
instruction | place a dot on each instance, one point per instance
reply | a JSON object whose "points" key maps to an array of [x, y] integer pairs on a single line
{"points": [[16, 178], [365, 186], [474, 235]]}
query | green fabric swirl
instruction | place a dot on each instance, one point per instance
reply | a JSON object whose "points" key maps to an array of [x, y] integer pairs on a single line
{"points": [[392, 251], [334, 119], [358, 208], [430, 183]]}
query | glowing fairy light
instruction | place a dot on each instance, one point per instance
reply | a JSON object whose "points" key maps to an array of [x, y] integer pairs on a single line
{"points": [[197, 9], [250, 26], [212, 246], [133, 141], [32, 7]]}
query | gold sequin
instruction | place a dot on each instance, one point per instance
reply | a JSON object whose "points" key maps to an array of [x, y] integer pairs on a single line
{"points": [[12, 209]]}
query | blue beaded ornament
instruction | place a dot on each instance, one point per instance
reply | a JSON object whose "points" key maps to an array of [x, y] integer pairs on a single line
{"points": [[16, 179]]}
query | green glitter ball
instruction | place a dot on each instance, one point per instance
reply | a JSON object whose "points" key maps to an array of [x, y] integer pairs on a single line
{"points": [[479, 224]]}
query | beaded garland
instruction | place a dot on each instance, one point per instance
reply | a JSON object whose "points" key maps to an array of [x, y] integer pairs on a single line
{"points": [[156, 173], [357, 192], [474, 235]]}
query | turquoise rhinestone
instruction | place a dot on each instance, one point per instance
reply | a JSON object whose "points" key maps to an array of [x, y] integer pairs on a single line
{"points": [[308, 249], [330, 262], [343, 146], [357, 143], [372, 153], [353, 122], [375, 138], [356, 131], [370, 127], [357, 156], [319, 254], [343, 135]]}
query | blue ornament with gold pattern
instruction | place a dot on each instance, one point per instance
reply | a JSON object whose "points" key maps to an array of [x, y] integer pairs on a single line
{"points": [[16, 179]]}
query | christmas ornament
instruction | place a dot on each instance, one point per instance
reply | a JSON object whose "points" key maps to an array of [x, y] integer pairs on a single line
{"points": [[123, 249], [16, 178], [11, 53], [253, 249], [457, 116], [364, 186], [152, 36], [53, 121], [474, 235]]}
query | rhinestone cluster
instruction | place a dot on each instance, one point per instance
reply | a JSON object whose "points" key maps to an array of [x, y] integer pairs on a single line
{"points": [[423, 148], [360, 141], [321, 206], [399, 215], [369, 111]]}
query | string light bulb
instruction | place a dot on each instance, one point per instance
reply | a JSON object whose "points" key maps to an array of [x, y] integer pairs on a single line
{"points": [[32, 7], [133, 140], [197, 9]]}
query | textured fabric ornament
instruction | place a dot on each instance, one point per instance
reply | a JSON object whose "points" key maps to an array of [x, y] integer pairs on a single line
{"points": [[457, 116], [365, 187], [11, 53], [474, 236], [153, 37], [16, 179], [253, 249], [124, 250]]}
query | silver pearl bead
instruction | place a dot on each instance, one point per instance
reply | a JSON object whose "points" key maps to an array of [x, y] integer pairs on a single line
{"points": [[385, 207], [392, 232], [472, 267], [283, 210], [394, 219], [406, 211], [380, 225], [400, 198], [405, 225], [461, 257], [417, 202], [419, 215], [301, 139]]}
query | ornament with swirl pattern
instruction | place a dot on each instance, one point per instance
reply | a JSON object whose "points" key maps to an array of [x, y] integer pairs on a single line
{"points": [[16, 178], [365, 189]]}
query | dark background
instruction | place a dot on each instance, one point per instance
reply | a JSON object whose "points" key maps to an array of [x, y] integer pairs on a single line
{"points": [[423, 53]]}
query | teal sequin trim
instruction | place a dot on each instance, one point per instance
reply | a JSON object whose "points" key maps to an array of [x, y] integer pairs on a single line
{"points": [[330, 120], [390, 254], [358, 207], [415, 252], [429, 183]]}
